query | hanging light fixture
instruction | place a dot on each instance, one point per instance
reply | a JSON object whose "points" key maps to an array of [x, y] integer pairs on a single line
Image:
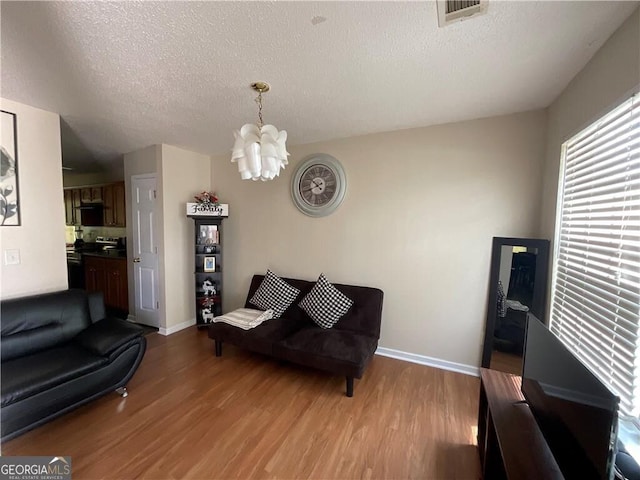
{"points": [[260, 150]]}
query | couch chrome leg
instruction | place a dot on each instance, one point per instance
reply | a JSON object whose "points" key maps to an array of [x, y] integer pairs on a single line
{"points": [[122, 391], [218, 348], [349, 386]]}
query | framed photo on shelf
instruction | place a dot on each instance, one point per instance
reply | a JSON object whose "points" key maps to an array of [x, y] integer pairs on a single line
{"points": [[208, 234], [209, 264]]}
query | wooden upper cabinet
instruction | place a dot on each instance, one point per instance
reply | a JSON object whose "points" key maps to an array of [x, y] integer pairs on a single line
{"points": [[69, 214], [96, 194], [72, 200], [108, 210], [85, 195], [91, 194], [77, 199], [114, 205], [110, 196], [119, 205]]}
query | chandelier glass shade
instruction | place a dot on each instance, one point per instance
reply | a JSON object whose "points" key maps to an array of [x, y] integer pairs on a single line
{"points": [[259, 150]]}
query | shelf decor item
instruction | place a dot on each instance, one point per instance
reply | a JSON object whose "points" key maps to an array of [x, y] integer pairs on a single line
{"points": [[208, 235], [207, 204], [209, 264], [260, 150], [208, 287]]}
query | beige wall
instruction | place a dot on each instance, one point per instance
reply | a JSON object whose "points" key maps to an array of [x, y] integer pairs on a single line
{"points": [[41, 236], [609, 78], [140, 162], [421, 208], [184, 174]]}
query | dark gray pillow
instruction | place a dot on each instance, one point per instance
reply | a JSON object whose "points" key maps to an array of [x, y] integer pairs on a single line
{"points": [[275, 294], [325, 304]]}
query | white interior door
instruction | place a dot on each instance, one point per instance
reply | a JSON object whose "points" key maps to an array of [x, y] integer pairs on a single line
{"points": [[145, 249]]}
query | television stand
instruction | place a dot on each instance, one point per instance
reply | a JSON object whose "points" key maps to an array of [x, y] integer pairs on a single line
{"points": [[510, 443]]}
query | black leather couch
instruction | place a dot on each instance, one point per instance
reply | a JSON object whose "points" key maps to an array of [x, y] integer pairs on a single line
{"points": [[59, 351], [345, 349]]}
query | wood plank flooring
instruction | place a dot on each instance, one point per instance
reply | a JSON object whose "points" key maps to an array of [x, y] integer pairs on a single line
{"points": [[245, 416]]}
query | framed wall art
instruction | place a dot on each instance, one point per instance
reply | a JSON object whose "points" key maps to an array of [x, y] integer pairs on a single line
{"points": [[9, 198]]}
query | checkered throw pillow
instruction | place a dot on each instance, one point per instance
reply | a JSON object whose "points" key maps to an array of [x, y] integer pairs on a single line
{"points": [[325, 304], [275, 294]]}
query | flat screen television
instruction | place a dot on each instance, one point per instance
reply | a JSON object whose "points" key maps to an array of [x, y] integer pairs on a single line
{"points": [[576, 412]]}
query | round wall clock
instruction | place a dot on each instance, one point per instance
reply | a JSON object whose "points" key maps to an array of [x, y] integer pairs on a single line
{"points": [[318, 185]]}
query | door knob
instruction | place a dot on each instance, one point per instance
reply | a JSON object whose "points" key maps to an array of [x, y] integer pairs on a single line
{"points": [[136, 260]]}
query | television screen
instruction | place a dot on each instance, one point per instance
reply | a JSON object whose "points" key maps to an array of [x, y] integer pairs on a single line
{"points": [[577, 413]]}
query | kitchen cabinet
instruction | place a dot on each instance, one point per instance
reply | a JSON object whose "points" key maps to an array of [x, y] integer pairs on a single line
{"points": [[109, 276], [72, 200], [94, 274], [114, 210], [69, 217], [91, 194], [103, 205]]}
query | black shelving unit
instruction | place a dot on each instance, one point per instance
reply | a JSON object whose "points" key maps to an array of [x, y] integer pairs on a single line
{"points": [[208, 268]]}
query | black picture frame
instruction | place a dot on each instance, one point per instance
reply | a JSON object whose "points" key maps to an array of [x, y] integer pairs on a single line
{"points": [[9, 184]]}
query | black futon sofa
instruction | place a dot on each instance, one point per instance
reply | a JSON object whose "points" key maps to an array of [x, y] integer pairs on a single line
{"points": [[345, 349], [59, 350]]}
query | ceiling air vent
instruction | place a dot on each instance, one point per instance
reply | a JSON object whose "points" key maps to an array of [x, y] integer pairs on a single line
{"points": [[450, 11]]}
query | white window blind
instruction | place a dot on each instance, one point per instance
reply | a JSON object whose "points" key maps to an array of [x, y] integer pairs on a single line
{"points": [[595, 300]]}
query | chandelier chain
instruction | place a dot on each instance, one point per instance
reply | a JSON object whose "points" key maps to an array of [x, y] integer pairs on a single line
{"points": [[259, 102]]}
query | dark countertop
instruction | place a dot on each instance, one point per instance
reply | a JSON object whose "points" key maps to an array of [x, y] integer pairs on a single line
{"points": [[76, 254], [110, 253]]}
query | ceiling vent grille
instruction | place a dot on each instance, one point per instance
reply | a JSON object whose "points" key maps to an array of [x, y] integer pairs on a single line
{"points": [[450, 11]]}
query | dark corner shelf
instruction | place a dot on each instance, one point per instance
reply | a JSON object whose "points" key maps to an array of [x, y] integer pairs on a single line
{"points": [[210, 227]]}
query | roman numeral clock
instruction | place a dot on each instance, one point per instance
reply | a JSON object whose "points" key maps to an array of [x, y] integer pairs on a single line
{"points": [[318, 185]]}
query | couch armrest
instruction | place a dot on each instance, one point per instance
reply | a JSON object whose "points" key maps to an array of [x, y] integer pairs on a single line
{"points": [[105, 336], [97, 310]]}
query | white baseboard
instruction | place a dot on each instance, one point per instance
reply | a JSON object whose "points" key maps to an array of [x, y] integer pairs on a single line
{"points": [[131, 318], [429, 361], [177, 328]]}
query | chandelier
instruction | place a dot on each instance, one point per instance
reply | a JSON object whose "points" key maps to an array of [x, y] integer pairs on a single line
{"points": [[259, 150]]}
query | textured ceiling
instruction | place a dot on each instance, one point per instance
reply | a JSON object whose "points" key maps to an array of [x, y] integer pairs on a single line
{"points": [[126, 75]]}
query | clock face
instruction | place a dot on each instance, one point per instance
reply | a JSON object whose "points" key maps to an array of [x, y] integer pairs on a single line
{"points": [[318, 185]]}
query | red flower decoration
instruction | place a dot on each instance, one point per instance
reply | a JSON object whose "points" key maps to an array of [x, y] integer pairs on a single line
{"points": [[207, 197]]}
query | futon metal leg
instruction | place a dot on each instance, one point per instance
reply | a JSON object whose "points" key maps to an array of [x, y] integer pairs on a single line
{"points": [[349, 386], [122, 391], [218, 348]]}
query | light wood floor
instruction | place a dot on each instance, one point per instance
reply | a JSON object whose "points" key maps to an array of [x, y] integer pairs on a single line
{"points": [[191, 415]]}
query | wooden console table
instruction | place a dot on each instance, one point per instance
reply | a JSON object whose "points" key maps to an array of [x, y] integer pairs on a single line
{"points": [[510, 442]]}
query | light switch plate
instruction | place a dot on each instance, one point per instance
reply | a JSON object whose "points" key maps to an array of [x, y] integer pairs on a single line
{"points": [[12, 256]]}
